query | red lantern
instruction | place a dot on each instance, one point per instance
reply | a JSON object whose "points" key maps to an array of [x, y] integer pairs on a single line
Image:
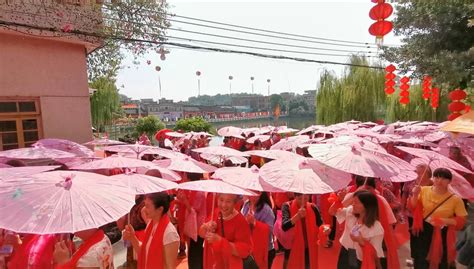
{"points": [[405, 100], [389, 79], [380, 11], [456, 106], [390, 68], [404, 93], [457, 94], [380, 28], [404, 87], [389, 83], [390, 75], [454, 115], [426, 87], [389, 90], [435, 98]]}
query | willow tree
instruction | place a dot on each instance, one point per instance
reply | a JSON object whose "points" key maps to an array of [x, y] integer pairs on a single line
{"points": [[418, 108], [358, 94], [105, 103]]}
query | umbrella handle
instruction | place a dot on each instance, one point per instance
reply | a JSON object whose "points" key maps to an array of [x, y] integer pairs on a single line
{"points": [[418, 181], [213, 204]]}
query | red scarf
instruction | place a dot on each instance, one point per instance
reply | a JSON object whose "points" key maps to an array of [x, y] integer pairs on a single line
{"points": [[155, 258], [436, 248], [388, 236], [83, 249], [260, 237], [297, 254], [368, 256]]}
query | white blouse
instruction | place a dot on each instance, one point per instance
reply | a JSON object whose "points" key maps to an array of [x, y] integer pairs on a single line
{"points": [[373, 234], [100, 255]]}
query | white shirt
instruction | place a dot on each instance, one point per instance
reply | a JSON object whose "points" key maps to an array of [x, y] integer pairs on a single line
{"points": [[373, 234], [99, 255], [169, 236]]}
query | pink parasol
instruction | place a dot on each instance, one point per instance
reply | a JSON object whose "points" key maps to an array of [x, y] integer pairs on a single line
{"points": [[12, 173], [104, 142], [358, 160], [290, 143], [247, 178], [4, 165], [65, 145], [416, 141], [136, 149], [217, 160], [114, 161], [351, 140], [229, 131], [431, 156], [62, 202], [262, 138], [311, 129], [285, 130], [35, 153], [459, 184], [274, 154], [214, 186], [160, 172], [143, 184], [294, 175], [221, 151], [335, 178], [185, 165]]}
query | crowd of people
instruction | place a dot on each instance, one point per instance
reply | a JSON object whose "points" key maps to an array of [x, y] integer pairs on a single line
{"points": [[232, 231]]}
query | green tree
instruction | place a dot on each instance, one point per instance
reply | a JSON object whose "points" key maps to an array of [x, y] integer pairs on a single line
{"points": [[276, 99], [148, 125], [438, 40], [124, 23], [194, 124], [358, 94], [418, 108], [105, 103]]}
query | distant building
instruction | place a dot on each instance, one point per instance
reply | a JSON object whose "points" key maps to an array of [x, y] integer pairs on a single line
{"points": [[166, 110], [131, 110], [254, 102]]}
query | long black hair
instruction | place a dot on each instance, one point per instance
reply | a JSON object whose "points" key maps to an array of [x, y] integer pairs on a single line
{"points": [[262, 200], [160, 199], [369, 200]]}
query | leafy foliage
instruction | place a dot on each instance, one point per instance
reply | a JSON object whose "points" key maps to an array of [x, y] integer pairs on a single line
{"points": [[358, 94], [417, 109], [438, 40], [125, 20], [105, 103], [276, 99], [194, 124], [148, 125]]}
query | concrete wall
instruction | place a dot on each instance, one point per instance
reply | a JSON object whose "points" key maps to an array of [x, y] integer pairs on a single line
{"points": [[54, 71]]}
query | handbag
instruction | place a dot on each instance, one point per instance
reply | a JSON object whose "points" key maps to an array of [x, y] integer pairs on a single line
{"points": [[248, 262]]}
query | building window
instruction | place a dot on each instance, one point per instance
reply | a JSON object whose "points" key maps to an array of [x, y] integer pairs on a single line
{"points": [[20, 123]]}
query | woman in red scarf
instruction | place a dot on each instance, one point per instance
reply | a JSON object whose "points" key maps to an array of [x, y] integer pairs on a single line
{"points": [[304, 218], [363, 233], [437, 214], [227, 236], [94, 252], [160, 246]]}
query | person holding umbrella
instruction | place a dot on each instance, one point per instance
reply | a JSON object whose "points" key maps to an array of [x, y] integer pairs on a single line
{"points": [[437, 213], [227, 236], [161, 242], [304, 218]]}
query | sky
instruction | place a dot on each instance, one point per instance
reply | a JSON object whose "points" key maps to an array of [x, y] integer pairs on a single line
{"points": [[341, 20]]}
